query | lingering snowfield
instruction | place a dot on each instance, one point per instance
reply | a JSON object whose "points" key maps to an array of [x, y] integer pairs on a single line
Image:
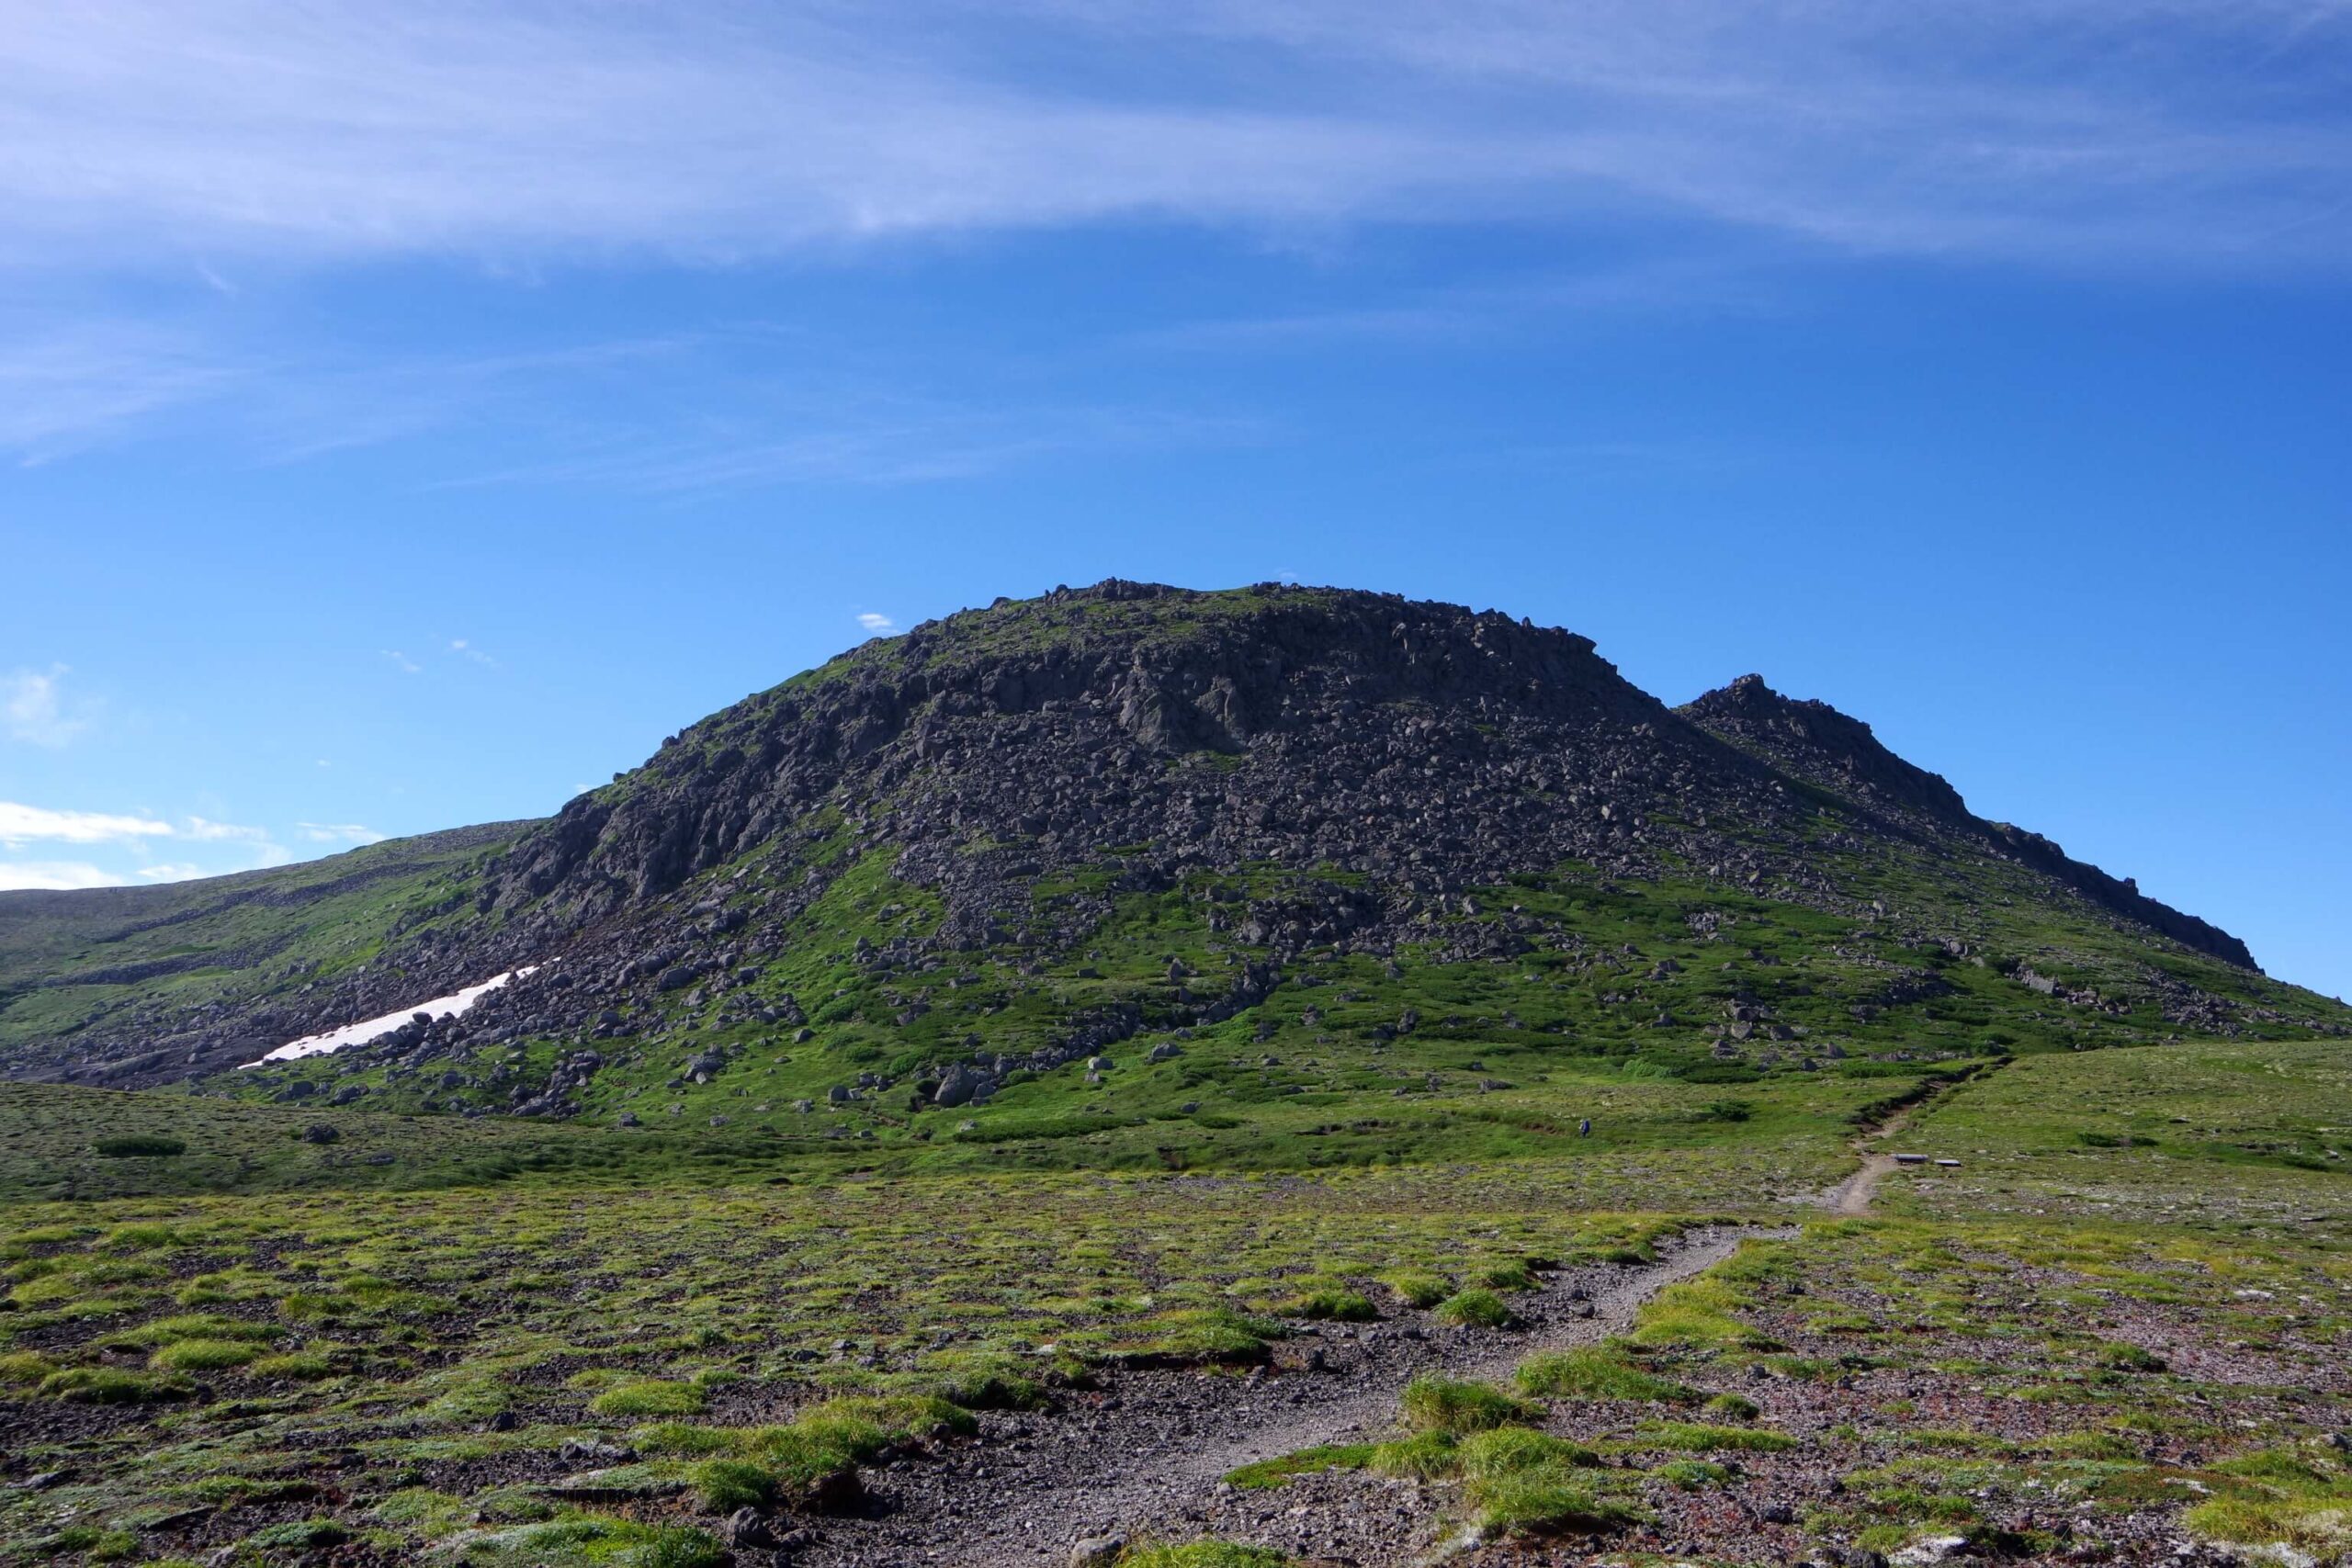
{"points": [[369, 1028]]}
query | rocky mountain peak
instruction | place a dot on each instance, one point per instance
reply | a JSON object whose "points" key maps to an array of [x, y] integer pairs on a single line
{"points": [[1298, 725], [1813, 741], [1822, 746], [1310, 770]]}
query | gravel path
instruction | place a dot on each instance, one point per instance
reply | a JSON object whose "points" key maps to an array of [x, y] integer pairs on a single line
{"points": [[1854, 1195], [1146, 1454]]}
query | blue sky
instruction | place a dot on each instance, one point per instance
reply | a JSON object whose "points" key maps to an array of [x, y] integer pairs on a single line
{"points": [[412, 412]]}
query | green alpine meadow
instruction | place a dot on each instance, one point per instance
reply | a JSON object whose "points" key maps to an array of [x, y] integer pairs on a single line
{"points": [[1273, 1076]]}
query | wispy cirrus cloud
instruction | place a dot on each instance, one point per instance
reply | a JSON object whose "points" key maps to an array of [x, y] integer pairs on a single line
{"points": [[875, 440], [2176, 131], [68, 385], [877, 622], [743, 415]]}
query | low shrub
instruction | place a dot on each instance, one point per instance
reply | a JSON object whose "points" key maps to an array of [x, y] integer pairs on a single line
{"points": [[138, 1145], [1545, 1501], [1502, 1450], [110, 1385], [203, 1355], [1595, 1372], [1690, 1475], [649, 1396], [1331, 1303], [1425, 1457], [1501, 1274], [1270, 1473], [1416, 1288], [1435, 1403], [726, 1484], [1202, 1555], [1699, 1437], [1475, 1308]]}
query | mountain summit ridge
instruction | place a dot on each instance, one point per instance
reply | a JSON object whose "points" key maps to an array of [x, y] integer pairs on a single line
{"points": [[1810, 740], [1304, 769]]}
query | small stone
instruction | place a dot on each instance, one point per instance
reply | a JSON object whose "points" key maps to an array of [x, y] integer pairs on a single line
{"points": [[1935, 1548], [747, 1531], [1097, 1550]]}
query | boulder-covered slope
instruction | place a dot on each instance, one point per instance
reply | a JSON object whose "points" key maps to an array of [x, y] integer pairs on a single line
{"points": [[1813, 741], [996, 844]]}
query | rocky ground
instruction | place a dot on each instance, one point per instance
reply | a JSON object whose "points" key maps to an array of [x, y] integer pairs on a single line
{"points": [[1146, 1456]]}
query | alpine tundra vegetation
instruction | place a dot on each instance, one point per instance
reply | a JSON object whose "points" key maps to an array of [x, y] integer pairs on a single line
{"points": [[1159, 1077]]}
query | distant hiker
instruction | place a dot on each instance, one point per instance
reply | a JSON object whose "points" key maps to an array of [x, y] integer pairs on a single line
{"points": [[1584, 1128]]}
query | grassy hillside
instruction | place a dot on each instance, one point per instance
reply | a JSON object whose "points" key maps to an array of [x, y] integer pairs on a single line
{"points": [[113, 963], [1617, 991]]}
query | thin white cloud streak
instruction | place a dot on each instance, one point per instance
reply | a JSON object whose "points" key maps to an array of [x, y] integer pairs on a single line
{"points": [[2131, 131], [21, 824], [745, 417], [338, 833], [1471, 313], [54, 876], [203, 832], [876, 622], [894, 442]]}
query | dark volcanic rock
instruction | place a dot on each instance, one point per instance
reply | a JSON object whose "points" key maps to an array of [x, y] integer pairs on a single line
{"points": [[1815, 742], [1394, 756]]}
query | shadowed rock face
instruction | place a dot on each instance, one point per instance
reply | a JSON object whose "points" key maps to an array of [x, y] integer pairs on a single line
{"points": [[1392, 753], [1813, 741], [1303, 726]]}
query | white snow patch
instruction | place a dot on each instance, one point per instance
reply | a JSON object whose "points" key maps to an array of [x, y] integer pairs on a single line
{"points": [[376, 1028]]}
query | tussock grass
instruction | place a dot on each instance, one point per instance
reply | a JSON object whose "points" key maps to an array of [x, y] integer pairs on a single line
{"points": [[1700, 1438], [1267, 1474], [649, 1396], [1606, 1370], [1453, 1405], [1475, 1308]]}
